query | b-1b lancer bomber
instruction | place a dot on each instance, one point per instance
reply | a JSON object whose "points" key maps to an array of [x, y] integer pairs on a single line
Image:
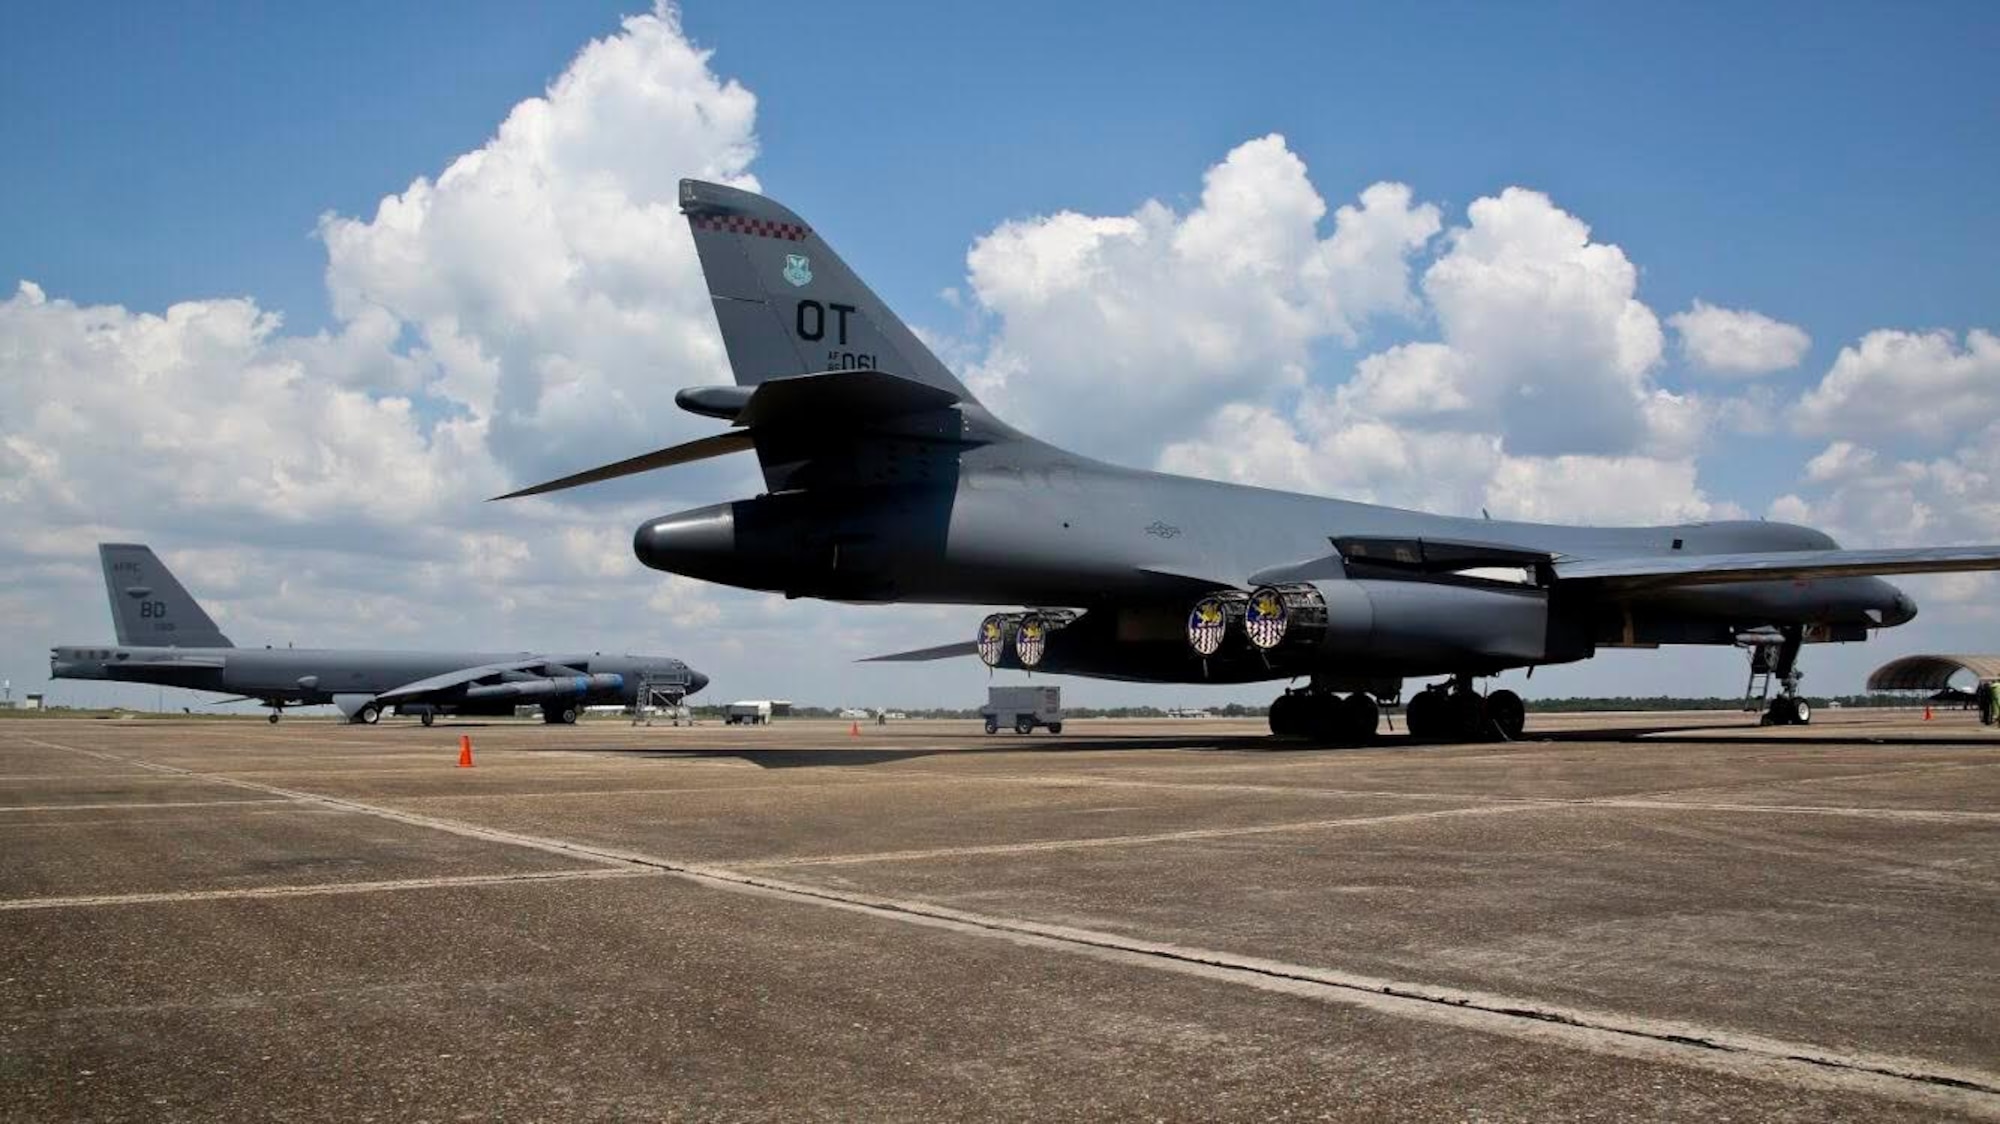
{"points": [[888, 481], [165, 638]]}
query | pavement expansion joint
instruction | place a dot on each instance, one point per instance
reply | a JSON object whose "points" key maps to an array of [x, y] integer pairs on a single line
{"points": [[316, 889]]}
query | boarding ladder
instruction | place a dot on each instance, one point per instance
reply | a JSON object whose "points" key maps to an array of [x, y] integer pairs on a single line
{"points": [[662, 695]]}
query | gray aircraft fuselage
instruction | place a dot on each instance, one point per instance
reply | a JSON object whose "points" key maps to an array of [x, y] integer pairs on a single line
{"points": [[311, 676], [1006, 519]]}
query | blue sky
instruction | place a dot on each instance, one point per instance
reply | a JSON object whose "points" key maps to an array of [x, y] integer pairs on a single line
{"points": [[1830, 166]]}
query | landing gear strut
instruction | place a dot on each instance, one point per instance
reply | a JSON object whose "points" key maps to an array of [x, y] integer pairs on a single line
{"points": [[1324, 716], [1455, 712], [277, 708], [1788, 709]]}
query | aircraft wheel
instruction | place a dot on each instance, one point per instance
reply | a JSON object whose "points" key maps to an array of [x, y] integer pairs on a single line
{"points": [[1801, 712], [272, 718], [570, 714], [1055, 727], [1360, 716], [1287, 715], [1505, 709], [1424, 717], [992, 725], [1467, 710], [368, 715], [1321, 717], [428, 718], [1024, 725]]}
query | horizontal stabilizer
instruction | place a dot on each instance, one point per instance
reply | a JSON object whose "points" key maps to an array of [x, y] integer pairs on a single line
{"points": [[835, 397], [719, 445], [923, 655], [1664, 572]]}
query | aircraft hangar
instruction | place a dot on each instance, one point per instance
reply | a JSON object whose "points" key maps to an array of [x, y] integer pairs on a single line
{"points": [[1932, 672]]}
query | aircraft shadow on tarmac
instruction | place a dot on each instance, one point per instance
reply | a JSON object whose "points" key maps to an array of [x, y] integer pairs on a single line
{"points": [[767, 758]]}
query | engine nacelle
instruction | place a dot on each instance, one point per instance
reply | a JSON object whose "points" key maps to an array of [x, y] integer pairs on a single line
{"points": [[1216, 621], [1026, 634], [1448, 626]]}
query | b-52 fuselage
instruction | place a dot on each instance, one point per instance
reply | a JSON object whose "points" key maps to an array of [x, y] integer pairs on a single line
{"points": [[889, 482]]}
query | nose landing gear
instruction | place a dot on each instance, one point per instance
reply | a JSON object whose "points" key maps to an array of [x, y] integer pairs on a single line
{"points": [[1788, 709]]}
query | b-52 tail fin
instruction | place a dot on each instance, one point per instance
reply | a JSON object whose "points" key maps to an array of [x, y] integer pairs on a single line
{"points": [[149, 607], [786, 302]]}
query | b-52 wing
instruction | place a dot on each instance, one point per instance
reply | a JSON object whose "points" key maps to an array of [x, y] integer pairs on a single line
{"points": [[1668, 571], [471, 676]]}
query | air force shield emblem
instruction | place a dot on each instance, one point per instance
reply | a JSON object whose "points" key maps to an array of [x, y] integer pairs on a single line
{"points": [[798, 270]]}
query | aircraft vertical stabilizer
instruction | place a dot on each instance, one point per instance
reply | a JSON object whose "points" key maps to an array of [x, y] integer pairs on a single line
{"points": [[786, 302], [150, 608]]}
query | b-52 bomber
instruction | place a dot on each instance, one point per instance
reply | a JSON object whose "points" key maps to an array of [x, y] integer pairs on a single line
{"points": [[165, 638], [888, 481]]}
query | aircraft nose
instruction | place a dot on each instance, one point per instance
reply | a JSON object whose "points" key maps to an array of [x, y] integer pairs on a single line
{"points": [[696, 681], [697, 543], [1894, 607]]}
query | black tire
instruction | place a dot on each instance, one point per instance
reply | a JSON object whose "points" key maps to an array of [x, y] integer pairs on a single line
{"points": [[272, 718], [1287, 715], [1424, 716], [1360, 717], [1024, 725], [1055, 727], [368, 715], [428, 718], [1802, 712], [1505, 710], [1467, 721], [992, 725]]}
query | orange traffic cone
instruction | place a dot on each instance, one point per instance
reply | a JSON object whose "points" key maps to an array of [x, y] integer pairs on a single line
{"points": [[854, 730], [1927, 712], [465, 751]]}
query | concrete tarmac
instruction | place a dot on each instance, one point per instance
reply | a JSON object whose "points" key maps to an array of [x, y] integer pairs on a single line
{"points": [[1659, 916]]}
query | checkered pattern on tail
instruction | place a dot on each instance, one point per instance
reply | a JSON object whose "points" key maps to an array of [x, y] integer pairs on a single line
{"points": [[743, 224]]}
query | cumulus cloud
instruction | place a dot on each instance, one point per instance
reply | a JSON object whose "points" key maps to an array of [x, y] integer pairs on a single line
{"points": [[1733, 342], [1537, 401], [1920, 386], [1123, 331], [1866, 497], [549, 274]]}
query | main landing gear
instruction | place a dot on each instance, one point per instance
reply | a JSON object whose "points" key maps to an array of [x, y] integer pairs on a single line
{"points": [[1325, 716], [1443, 712], [1458, 713], [563, 715]]}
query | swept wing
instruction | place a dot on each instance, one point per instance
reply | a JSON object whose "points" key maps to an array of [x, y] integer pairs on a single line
{"points": [[1668, 571]]}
